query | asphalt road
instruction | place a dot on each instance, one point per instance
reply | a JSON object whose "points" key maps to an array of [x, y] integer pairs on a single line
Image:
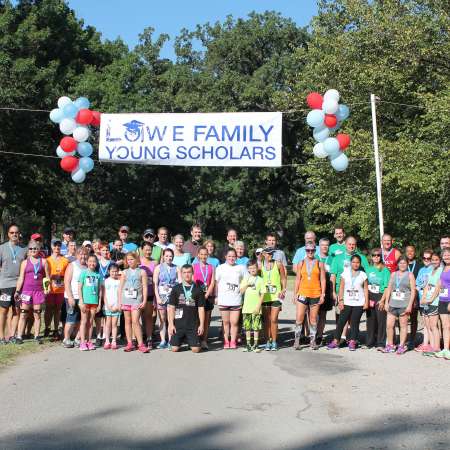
{"points": [[65, 399]]}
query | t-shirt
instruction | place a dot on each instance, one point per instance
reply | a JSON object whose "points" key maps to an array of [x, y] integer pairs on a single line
{"points": [[57, 269], [242, 261], [64, 248], [228, 279], [181, 260], [433, 279], [252, 294], [127, 247], [354, 288], [341, 262], [186, 303], [210, 260], [378, 279], [422, 279], [300, 254], [111, 292], [192, 247], [414, 268], [90, 286], [336, 249], [11, 257], [279, 255], [156, 253]]}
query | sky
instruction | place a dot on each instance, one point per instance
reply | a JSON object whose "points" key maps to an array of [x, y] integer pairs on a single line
{"points": [[128, 18]]}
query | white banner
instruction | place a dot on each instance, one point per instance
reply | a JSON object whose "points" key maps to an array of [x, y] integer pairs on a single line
{"points": [[196, 139]]}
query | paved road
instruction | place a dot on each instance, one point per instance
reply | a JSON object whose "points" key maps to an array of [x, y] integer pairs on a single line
{"points": [[65, 399]]}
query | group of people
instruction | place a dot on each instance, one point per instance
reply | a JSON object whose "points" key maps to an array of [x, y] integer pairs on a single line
{"points": [[121, 288]]}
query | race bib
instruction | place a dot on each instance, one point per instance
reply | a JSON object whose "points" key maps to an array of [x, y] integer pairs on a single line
{"points": [[302, 299], [374, 288], [90, 281], [178, 313], [270, 289], [5, 298], [58, 282], [444, 292], [398, 295], [164, 292], [131, 293], [327, 268], [352, 294], [232, 287], [346, 264], [25, 298]]}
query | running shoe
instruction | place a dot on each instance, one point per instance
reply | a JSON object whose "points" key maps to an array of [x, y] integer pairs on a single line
{"points": [[296, 345], [91, 345], [98, 342], [169, 347], [342, 343], [3, 341], [274, 347], [19, 340], [47, 332], [268, 346], [401, 349], [149, 343], [143, 348], [256, 349], [162, 345], [389, 349], [429, 353], [67, 343], [76, 342], [226, 345], [248, 348], [441, 354], [11, 340], [129, 347], [421, 348], [233, 345], [447, 355], [114, 345], [332, 345], [352, 345], [313, 345], [84, 347], [204, 345], [38, 340], [107, 346]]}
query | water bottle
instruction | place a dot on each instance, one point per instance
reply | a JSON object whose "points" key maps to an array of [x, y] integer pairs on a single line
{"points": [[69, 309]]}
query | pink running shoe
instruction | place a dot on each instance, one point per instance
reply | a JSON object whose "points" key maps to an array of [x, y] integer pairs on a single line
{"points": [[226, 345], [352, 345], [114, 346], [129, 347], [389, 349], [91, 345], [421, 348], [143, 348], [107, 346], [233, 345], [84, 347], [401, 349]]}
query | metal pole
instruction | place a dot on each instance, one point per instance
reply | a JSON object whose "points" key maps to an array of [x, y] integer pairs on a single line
{"points": [[377, 164]]}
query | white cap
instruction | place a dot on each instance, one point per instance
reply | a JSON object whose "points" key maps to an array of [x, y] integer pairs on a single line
{"points": [[86, 243]]}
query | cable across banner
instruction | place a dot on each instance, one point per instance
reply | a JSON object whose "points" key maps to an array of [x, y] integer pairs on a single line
{"points": [[250, 139]]}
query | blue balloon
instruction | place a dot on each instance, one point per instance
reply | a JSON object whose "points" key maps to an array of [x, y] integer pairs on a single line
{"points": [[340, 162], [56, 115], [321, 133], [85, 149], [315, 118], [86, 163], [342, 113], [70, 111], [82, 103], [78, 175], [331, 147]]}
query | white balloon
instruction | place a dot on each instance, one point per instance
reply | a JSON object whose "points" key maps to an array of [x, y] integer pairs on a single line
{"points": [[78, 175], [319, 151], [330, 106], [61, 153], [331, 94], [67, 126], [81, 134], [340, 162], [63, 101]]}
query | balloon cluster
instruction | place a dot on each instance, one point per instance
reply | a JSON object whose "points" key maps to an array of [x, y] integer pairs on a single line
{"points": [[326, 117], [74, 119]]}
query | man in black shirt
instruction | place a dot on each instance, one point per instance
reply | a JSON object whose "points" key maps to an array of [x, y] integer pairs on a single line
{"points": [[186, 312]]}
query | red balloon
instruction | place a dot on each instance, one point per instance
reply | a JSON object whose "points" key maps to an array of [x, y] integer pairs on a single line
{"points": [[330, 120], [344, 140], [68, 144], [69, 163], [96, 117], [314, 100], [84, 116]]}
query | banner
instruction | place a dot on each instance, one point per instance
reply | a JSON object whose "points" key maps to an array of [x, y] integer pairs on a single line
{"points": [[195, 139]]}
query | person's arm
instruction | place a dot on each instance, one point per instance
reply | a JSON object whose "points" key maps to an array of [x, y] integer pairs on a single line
{"points": [[19, 283], [156, 284], [412, 285], [333, 286], [211, 287], [171, 319], [436, 291], [283, 276], [387, 293], [101, 295], [244, 285], [295, 262], [68, 285], [201, 316], [341, 294], [80, 294], [119, 292], [423, 301], [144, 281], [298, 278], [366, 295], [323, 283]]}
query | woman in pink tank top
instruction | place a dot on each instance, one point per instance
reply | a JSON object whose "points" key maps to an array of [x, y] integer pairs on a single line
{"points": [[30, 284]]}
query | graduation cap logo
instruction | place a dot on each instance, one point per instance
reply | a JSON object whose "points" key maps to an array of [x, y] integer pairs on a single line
{"points": [[133, 129]]}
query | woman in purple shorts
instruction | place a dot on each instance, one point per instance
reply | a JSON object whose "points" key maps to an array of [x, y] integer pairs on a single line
{"points": [[30, 289], [148, 265]]}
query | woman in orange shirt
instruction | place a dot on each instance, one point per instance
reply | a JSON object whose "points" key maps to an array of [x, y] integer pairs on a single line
{"points": [[309, 292]]}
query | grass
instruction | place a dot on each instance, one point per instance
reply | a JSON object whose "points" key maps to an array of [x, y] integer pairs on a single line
{"points": [[9, 352]]}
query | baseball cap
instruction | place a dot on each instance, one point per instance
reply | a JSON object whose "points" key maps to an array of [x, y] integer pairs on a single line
{"points": [[85, 243], [36, 236], [68, 230], [124, 227], [310, 246], [269, 250], [258, 250], [56, 242], [149, 231]]}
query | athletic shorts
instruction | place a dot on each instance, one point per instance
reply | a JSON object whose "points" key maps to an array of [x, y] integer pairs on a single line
{"points": [[274, 304], [230, 308], [108, 313], [160, 307], [443, 307], [209, 303], [252, 322], [32, 297], [54, 299], [7, 297], [130, 307], [189, 336], [430, 310], [397, 312], [308, 301], [91, 307], [75, 317]]}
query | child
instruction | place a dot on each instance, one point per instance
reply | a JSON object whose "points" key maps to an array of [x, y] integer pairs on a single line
{"points": [[252, 286], [90, 292], [111, 306], [132, 298]]}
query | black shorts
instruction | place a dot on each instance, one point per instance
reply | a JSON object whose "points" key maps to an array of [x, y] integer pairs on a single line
{"points": [[230, 308], [7, 297], [274, 304], [308, 301], [397, 312], [189, 336], [443, 307], [209, 303], [431, 310]]}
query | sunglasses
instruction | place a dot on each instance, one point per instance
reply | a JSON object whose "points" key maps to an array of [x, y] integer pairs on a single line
{"points": [[148, 235], [376, 255], [310, 251], [426, 259], [33, 248], [13, 232]]}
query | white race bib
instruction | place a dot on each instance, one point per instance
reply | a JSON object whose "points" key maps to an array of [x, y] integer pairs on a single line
{"points": [[352, 294], [374, 288], [398, 295], [131, 293], [271, 289], [5, 298], [444, 292], [90, 281], [178, 313], [25, 298]]}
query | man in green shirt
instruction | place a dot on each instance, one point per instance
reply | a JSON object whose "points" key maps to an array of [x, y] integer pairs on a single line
{"points": [[339, 246]]}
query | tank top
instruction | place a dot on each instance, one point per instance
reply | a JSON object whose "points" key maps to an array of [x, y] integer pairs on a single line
{"points": [[310, 282], [389, 260], [167, 274], [76, 270], [149, 269], [272, 282], [132, 288], [203, 275], [444, 294], [433, 278], [400, 290], [33, 276], [103, 269]]}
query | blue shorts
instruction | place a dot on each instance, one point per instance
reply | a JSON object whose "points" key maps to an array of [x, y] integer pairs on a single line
{"points": [[112, 313], [75, 317]]}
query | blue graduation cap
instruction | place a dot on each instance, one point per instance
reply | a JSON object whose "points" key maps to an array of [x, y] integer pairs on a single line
{"points": [[133, 126]]}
